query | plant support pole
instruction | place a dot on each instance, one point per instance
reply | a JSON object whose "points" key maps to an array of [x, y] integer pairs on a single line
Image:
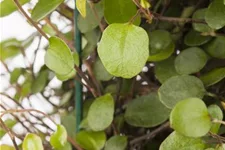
{"points": [[78, 86]]}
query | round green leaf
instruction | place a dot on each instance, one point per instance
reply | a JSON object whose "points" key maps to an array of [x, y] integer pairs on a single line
{"points": [[161, 45], [15, 74], [123, 49], [91, 140], [120, 11], [59, 138], [190, 117], [178, 88], [215, 113], [32, 141], [100, 72], [67, 146], [6, 147], [8, 6], [213, 76], [9, 48], [176, 141], [43, 8], [69, 122], [215, 14], [146, 111], [59, 58], [200, 14], [100, 114], [40, 82], [190, 60], [90, 22], [10, 123], [116, 143], [49, 30], [215, 48], [165, 69], [194, 38]]}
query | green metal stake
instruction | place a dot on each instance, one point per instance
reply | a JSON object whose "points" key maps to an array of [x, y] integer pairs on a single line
{"points": [[78, 86]]}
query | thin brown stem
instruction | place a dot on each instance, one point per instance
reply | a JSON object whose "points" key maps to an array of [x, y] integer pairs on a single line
{"points": [[89, 84], [92, 76], [151, 135], [12, 137], [70, 44], [30, 20], [176, 19], [96, 15]]}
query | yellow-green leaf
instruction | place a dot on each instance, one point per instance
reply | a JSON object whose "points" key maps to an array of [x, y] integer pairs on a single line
{"points": [[32, 142], [81, 7]]}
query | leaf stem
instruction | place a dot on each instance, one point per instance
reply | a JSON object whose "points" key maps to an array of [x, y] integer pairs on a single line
{"points": [[9, 133], [150, 135], [218, 121]]}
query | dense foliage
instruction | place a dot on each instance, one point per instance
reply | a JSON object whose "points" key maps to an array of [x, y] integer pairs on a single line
{"points": [[152, 72]]}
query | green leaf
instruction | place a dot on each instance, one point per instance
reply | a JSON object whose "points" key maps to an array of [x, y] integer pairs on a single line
{"points": [[9, 48], [66, 98], [69, 122], [15, 74], [49, 30], [100, 114], [59, 58], [116, 143], [8, 6], [90, 21], [165, 69], [59, 138], [215, 113], [40, 82], [176, 141], [25, 89], [32, 141], [215, 48], [215, 14], [81, 7], [213, 76], [190, 60], [200, 14], [178, 88], [123, 49], [194, 38], [2, 132], [161, 45], [91, 140], [190, 117], [92, 38], [100, 72], [9, 123], [120, 11], [67, 146], [6, 147], [44, 8], [146, 111]]}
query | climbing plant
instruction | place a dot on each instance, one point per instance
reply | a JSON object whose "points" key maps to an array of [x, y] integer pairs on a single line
{"points": [[152, 75]]}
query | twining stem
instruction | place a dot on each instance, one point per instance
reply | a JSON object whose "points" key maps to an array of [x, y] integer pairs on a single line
{"points": [[135, 16], [96, 16], [12, 137], [29, 19], [157, 16], [37, 111], [151, 134], [218, 121]]}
